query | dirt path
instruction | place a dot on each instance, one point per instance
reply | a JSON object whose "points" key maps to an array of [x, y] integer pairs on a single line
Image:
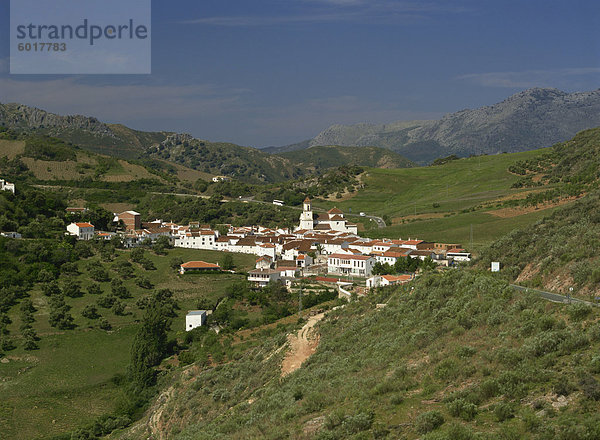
{"points": [[302, 345]]}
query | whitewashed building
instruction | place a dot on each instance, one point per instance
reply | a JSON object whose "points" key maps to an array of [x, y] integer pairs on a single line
{"points": [[204, 239], [5, 186], [458, 255], [195, 318], [83, 231], [387, 280], [358, 265], [262, 277]]}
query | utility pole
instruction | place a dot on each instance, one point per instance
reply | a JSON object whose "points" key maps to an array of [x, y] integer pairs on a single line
{"points": [[471, 249]]}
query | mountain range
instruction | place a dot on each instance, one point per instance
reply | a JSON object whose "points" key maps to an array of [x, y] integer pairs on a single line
{"points": [[531, 119], [216, 158], [528, 120]]}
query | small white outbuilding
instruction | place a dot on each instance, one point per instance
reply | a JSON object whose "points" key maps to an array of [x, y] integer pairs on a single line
{"points": [[195, 318]]}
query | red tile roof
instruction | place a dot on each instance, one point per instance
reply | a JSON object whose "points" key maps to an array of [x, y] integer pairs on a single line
{"points": [[392, 278], [200, 265], [350, 257], [85, 225]]}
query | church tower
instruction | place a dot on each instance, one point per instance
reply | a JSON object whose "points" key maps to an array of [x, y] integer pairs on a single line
{"points": [[306, 218]]}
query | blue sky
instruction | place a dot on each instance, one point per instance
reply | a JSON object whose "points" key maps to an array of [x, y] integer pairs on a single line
{"points": [[273, 72]]}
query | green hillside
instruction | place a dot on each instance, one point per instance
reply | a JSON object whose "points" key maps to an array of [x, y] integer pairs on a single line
{"points": [[442, 202], [557, 252], [462, 356], [49, 159], [318, 158]]}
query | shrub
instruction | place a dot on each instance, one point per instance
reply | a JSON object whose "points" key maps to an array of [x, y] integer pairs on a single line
{"points": [[90, 311], [186, 357], [590, 387], [429, 421], [463, 409], [579, 311], [448, 369], [503, 411], [94, 289]]}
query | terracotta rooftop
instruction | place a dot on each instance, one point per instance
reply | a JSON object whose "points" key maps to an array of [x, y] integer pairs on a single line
{"points": [[85, 225], [350, 257], [200, 265], [393, 278]]}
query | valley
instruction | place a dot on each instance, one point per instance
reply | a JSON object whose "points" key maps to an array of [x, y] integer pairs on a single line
{"points": [[75, 313]]}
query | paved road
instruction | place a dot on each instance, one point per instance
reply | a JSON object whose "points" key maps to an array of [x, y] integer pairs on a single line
{"points": [[554, 297]]}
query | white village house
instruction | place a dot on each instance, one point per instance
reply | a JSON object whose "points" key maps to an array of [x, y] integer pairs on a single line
{"points": [[5, 186], [194, 318], [358, 265], [388, 280], [262, 277], [83, 231]]}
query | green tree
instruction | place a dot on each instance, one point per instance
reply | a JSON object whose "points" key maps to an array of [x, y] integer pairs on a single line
{"points": [[72, 289], [59, 313], [51, 288], [227, 262], [149, 345], [90, 311]]}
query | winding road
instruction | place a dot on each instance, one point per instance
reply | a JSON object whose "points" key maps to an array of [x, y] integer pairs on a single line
{"points": [[554, 297]]}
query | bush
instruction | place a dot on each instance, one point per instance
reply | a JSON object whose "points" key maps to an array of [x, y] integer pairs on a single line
{"points": [[186, 358], [579, 311], [429, 421], [463, 409], [590, 387], [503, 411], [94, 289], [90, 311]]}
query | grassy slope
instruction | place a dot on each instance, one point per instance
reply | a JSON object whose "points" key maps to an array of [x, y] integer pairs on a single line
{"points": [[68, 380], [462, 337], [563, 254], [86, 163], [335, 156], [457, 186]]}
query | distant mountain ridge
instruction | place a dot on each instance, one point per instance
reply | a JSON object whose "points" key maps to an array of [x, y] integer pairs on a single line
{"points": [[88, 132], [215, 158], [528, 120]]}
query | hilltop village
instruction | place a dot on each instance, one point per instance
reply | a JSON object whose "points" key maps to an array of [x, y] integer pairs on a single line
{"points": [[322, 244]]}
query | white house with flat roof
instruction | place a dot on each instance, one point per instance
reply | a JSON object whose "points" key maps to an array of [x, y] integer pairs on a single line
{"points": [[194, 318]]}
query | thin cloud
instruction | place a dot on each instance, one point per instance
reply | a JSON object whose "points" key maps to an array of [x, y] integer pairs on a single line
{"points": [[565, 77], [326, 11]]}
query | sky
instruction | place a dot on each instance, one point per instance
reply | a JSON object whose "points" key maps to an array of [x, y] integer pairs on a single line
{"points": [[275, 72]]}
